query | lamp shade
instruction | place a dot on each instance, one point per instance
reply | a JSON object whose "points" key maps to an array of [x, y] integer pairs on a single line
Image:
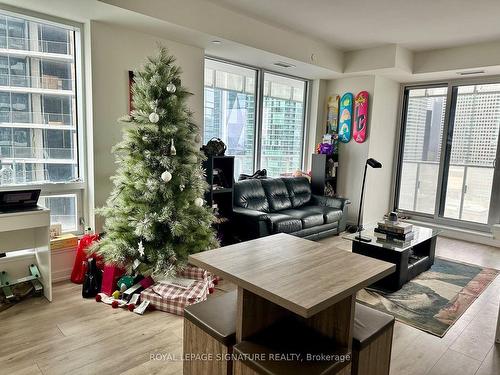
{"points": [[374, 163]]}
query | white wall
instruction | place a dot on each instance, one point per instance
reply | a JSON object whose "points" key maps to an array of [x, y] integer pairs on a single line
{"points": [[113, 52], [380, 145], [352, 155]]}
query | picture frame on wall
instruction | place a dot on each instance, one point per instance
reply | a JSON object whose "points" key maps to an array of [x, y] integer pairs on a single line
{"points": [[130, 96]]}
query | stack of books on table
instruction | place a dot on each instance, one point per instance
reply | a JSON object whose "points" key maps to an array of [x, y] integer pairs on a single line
{"points": [[397, 232]]}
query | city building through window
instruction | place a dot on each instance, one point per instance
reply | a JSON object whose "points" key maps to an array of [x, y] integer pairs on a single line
{"points": [[38, 113], [448, 152], [232, 109]]}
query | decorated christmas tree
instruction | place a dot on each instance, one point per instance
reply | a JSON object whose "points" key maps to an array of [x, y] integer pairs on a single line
{"points": [[155, 215]]}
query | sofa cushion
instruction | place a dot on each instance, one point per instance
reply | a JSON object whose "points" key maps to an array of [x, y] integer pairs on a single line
{"points": [[277, 194], [250, 194], [309, 218], [319, 231], [299, 190], [280, 223], [330, 214]]}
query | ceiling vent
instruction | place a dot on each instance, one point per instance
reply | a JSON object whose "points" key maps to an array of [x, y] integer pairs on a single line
{"points": [[282, 64], [470, 72]]}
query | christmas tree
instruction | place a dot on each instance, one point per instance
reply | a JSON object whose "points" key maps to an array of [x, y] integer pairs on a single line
{"points": [[155, 214]]}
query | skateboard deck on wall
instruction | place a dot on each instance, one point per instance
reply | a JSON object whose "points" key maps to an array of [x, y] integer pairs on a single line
{"points": [[345, 121], [332, 117], [360, 117]]}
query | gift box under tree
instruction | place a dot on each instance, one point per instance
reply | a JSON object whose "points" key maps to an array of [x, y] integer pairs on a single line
{"points": [[173, 299]]}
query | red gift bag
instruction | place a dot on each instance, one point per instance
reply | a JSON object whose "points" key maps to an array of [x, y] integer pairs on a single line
{"points": [[80, 266], [110, 278]]}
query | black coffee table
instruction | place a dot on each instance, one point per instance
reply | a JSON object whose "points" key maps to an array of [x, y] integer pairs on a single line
{"points": [[411, 259]]}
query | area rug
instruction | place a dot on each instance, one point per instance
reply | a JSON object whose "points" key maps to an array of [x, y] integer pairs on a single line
{"points": [[435, 299]]}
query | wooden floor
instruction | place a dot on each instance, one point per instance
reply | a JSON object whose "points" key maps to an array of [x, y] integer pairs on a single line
{"points": [[76, 336]]}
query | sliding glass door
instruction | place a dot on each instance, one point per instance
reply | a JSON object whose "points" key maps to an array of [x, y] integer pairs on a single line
{"points": [[473, 131], [449, 150], [421, 152]]}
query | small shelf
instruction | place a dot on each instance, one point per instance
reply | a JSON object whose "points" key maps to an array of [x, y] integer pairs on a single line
{"points": [[297, 342]]}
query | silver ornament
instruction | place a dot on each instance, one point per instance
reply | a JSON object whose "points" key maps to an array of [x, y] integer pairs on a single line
{"points": [[173, 151], [197, 138], [166, 176], [182, 187], [154, 117], [171, 88], [198, 202]]}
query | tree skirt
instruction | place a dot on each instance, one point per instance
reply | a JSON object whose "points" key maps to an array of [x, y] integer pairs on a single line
{"points": [[434, 300]]}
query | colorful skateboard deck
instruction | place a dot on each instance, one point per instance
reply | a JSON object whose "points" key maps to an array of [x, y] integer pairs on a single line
{"points": [[345, 117], [332, 118], [360, 117]]}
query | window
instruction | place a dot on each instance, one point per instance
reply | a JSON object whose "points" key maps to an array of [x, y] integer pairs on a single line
{"points": [[447, 168], [39, 126], [422, 149], [282, 124], [231, 110]]}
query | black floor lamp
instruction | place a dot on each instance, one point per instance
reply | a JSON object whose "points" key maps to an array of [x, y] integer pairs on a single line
{"points": [[374, 164]]}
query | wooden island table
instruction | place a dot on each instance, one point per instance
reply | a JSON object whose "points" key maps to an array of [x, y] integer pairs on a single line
{"points": [[296, 300]]}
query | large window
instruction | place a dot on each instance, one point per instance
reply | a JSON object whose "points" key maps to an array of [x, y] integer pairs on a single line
{"points": [[447, 168], [231, 109], [230, 98], [39, 125]]}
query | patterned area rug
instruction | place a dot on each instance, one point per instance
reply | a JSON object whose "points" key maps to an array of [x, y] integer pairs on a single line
{"points": [[435, 299]]}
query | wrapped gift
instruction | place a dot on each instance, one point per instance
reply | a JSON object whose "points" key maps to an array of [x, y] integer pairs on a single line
{"points": [[171, 298]]}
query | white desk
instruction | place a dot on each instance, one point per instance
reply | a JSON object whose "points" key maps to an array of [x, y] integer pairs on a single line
{"points": [[24, 231]]}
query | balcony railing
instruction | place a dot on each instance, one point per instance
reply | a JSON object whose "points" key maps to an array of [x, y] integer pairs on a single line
{"points": [[37, 153], [468, 190], [37, 45], [10, 117], [44, 82]]}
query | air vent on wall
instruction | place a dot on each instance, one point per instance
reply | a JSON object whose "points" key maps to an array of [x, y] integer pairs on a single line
{"points": [[284, 64], [470, 72]]}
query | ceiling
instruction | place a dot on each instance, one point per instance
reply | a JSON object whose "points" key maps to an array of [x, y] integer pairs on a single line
{"points": [[351, 25]]}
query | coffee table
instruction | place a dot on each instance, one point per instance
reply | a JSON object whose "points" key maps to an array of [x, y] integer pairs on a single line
{"points": [[410, 259]]}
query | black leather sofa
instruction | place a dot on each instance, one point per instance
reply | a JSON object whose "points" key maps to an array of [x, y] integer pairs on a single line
{"points": [[285, 205]]}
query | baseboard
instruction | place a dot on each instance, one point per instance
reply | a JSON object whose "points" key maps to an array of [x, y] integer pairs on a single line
{"points": [[461, 234]]}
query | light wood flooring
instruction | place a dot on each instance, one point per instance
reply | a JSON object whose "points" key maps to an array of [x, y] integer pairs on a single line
{"points": [[76, 336]]}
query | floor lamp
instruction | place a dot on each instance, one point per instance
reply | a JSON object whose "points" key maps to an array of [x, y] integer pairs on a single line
{"points": [[374, 164]]}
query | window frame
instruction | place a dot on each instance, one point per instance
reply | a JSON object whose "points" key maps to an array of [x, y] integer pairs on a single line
{"points": [[259, 107], [80, 186], [438, 218]]}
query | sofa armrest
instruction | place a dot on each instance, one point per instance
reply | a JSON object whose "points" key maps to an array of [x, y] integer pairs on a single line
{"points": [[339, 203], [250, 224]]}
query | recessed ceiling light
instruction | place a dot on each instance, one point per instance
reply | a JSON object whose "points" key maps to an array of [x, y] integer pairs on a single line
{"points": [[216, 42], [470, 72], [284, 64]]}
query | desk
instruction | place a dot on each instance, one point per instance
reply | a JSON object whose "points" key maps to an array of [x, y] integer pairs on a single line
{"points": [[27, 230], [283, 276]]}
